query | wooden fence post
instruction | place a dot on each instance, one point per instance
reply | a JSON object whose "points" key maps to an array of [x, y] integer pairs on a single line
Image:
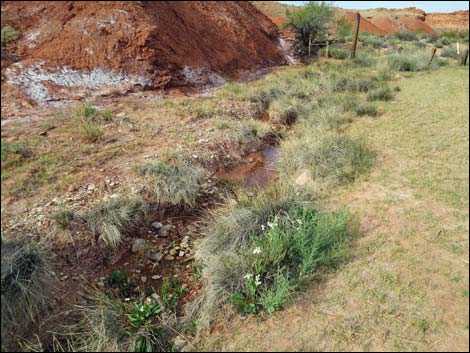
{"points": [[432, 55], [358, 22], [327, 54], [464, 58]]}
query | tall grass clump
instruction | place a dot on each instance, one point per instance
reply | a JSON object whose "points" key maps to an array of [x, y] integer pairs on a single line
{"points": [[111, 219], [284, 111], [109, 324], [366, 110], [407, 36], [365, 59], [87, 116], [353, 85], [410, 61], [259, 250], [329, 157], [174, 183], [383, 93], [25, 281], [262, 97], [449, 53]]}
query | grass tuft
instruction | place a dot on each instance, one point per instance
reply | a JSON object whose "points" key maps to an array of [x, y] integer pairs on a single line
{"points": [[112, 218], [175, 183], [25, 279]]}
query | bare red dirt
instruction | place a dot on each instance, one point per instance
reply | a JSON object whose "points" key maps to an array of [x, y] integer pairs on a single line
{"points": [[163, 43], [458, 20]]}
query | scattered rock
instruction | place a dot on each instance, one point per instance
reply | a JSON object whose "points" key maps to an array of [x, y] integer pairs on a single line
{"points": [[163, 231], [173, 252], [91, 187], [169, 258], [155, 277], [156, 225], [143, 279], [63, 278], [181, 253], [138, 245], [154, 256]]}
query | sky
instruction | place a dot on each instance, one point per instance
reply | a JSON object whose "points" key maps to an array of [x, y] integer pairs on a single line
{"points": [[428, 6]]}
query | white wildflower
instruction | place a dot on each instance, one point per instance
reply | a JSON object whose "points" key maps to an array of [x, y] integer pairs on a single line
{"points": [[257, 281], [257, 251], [248, 276], [263, 227]]}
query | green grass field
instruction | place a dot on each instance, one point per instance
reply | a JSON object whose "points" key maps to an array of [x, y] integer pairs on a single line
{"points": [[406, 286]]}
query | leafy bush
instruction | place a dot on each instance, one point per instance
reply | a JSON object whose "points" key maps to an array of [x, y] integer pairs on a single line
{"points": [[174, 183], [339, 54], [25, 280], [111, 219]]}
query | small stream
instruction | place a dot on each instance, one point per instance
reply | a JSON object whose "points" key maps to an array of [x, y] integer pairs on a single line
{"points": [[256, 168]]}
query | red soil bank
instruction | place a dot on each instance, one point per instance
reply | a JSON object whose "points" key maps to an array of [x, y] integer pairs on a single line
{"points": [[458, 20], [169, 43]]}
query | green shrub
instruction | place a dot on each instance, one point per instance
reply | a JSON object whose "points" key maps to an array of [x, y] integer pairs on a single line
{"points": [[419, 44], [15, 148], [177, 183], [329, 158], [407, 36], [374, 42], [256, 254], [364, 59], [353, 85], [90, 131], [111, 219], [107, 115], [367, 109], [87, 110], [109, 325], [335, 53], [380, 94], [9, 34], [264, 96], [25, 283], [439, 44], [409, 61], [449, 53], [284, 111]]}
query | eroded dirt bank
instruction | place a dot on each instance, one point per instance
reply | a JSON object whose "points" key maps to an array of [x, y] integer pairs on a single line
{"points": [[120, 46]]}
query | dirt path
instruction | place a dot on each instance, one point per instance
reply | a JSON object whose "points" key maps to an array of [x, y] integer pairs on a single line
{"points": [[406, 285]]}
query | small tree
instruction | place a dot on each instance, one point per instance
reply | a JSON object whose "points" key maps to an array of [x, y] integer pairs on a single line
{"points": [[310, 21]]}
